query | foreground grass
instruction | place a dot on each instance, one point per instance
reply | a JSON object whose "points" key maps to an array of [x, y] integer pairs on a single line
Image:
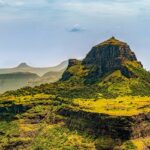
{"points": [[59, 137], [37, 127], [32, 122]]}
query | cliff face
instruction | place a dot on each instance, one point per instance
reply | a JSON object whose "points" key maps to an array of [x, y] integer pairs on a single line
{"points": [[109, 56], [105, 58]]}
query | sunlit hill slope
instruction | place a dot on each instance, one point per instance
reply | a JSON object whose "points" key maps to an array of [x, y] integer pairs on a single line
{"points": [[100, 103]]}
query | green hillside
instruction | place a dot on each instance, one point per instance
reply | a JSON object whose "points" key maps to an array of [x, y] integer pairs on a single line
{"points": [[100, 103]]}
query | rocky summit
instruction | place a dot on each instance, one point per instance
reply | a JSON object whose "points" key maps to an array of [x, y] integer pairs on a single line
{"points": [[109, 56], [105, 58]]}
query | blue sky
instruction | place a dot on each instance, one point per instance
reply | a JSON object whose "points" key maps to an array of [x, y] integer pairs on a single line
{"points": [[46, 32]]}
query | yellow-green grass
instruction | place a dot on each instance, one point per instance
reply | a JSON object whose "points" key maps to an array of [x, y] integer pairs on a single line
{"points": [[58, 137], [141, 143], [46, 133], [26, 99], [136, 144], [121, 106]]}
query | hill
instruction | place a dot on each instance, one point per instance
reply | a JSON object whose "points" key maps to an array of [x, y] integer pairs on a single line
{"points": [[15, 80], [100, 103], [24, 75], [109, 65], [49, 77], [23, 67]]}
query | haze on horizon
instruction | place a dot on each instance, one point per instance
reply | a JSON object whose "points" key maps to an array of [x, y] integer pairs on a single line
{"points": [[47, 32]]}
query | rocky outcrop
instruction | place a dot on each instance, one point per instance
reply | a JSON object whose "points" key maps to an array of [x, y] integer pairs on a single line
{"points": [[73, 62], [105, 58], [68, 74], [109, 56]]}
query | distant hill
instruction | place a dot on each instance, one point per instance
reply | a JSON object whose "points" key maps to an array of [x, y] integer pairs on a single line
{"points": [[23, 67], [14, 81], [24, 75], [49, 77]]}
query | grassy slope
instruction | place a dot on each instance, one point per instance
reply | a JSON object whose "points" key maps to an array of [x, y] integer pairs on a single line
{"points": [[30, 118], [33, 122], [37, 125]]}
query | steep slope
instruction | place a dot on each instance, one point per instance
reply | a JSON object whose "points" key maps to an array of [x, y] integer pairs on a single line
{"points": [[109, 56]]}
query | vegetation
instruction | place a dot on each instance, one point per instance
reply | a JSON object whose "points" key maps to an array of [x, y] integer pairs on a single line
{"points": [[121, 106], [35, 122], [38, 126], [72, 114], [112, 41]]}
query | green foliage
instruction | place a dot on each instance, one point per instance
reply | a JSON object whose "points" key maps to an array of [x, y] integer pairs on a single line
{"points": [[115, 84], [8, 130], [120, 106], [129, 146], [42, 126], [58, 137], [103, 143], [143, 85]]}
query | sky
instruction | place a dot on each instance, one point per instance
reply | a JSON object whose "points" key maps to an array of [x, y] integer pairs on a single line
{"points": [[46, 32]]}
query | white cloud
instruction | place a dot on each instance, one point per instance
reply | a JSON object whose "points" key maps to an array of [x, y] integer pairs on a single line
{"points": [[76, 28]]}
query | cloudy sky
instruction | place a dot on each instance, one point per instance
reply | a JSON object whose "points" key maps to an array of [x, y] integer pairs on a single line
{"points": [[46, 32]]}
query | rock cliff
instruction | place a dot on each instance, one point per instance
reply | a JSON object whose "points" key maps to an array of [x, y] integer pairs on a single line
{"points": [[105, 58]]}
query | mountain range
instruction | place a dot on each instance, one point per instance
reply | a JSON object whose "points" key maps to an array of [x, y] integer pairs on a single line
{"points": [[24, 75]]}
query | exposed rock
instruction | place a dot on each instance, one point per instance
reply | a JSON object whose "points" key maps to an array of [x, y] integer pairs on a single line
{"points": [[105, 58], [109, 56], [73, 62], [67, 74]]}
